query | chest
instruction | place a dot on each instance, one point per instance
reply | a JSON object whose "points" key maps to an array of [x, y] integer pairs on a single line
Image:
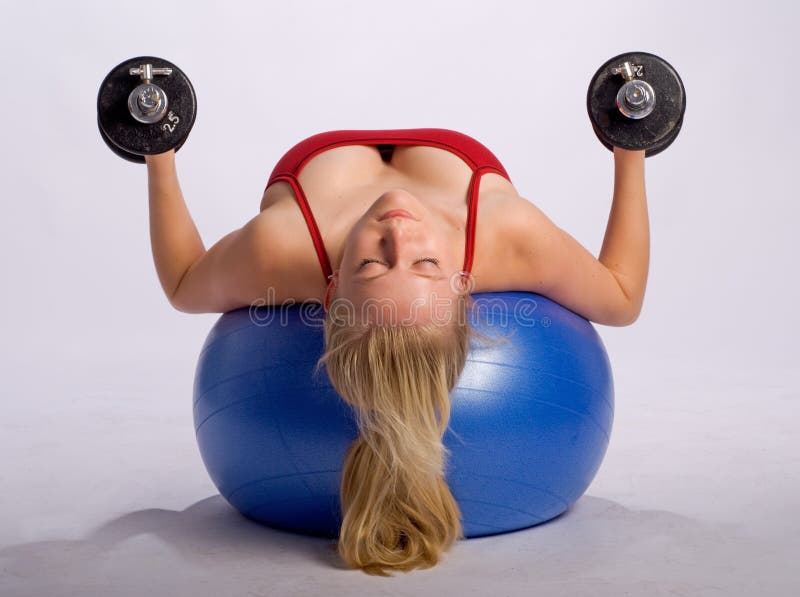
{"points": [[340, 184]]}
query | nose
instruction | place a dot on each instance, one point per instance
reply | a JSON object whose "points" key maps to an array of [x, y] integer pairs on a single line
{"points": [[397, 237], [395, 229]]}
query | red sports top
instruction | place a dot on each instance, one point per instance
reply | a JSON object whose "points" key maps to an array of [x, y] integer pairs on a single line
{"points": [[479, 158]]}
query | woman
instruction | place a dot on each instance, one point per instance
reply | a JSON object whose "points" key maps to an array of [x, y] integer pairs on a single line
{"points": [[391, 220]]}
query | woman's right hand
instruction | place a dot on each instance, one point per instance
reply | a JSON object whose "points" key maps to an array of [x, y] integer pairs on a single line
{"points": [[628, 153]]}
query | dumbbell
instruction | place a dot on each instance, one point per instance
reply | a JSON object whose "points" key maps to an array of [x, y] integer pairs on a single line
{"points": [[145, 105], [636, 101]]}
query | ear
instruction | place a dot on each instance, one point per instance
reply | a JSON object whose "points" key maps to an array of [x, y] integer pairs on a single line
{"points": [[333, 283], [463, 282]]}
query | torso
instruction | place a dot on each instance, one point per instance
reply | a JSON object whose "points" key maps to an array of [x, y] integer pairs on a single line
{"points": [[341, 183]]}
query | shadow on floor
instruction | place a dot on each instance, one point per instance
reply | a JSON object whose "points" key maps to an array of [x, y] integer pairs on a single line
{"points": [[596, 540]]}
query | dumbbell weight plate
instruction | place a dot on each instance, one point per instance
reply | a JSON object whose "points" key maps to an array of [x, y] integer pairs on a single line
{"points": [[129, 138], [655, 132], [653, 150], [666, 141], [131, 157]]}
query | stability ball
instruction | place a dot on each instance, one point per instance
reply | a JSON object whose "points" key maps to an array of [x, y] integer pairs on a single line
{"points": [[530, 417]]}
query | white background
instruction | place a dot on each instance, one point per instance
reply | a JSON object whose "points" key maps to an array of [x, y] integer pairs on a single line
{"points": [[97, 368]]}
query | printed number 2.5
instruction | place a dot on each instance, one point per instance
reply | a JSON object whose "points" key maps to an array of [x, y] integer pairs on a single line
{"points": [[170, 128]]}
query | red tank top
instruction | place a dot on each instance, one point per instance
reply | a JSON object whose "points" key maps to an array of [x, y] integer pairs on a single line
{"points": [[479, 158]]}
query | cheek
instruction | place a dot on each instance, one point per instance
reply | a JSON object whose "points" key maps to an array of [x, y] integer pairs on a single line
{"points": [[355, 242], [348, 250]]}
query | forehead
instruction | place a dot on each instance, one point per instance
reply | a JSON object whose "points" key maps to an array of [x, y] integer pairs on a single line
{"points": [[401, 285], [404, 307], [365, 280]]}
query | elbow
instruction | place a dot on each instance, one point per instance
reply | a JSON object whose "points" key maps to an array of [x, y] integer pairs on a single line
{"points": [[627, 321], [179, 306], [179, 303], [620, 316], [185, 307], [186, 303], [627, 316], [182, 300]]}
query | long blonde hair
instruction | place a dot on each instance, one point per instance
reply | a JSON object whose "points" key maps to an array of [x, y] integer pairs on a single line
{"points": [[397, 509]]}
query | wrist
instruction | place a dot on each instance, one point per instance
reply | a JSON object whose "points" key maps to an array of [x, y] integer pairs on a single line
{"points": [[628, 154], [160, 159], [162, 163]]}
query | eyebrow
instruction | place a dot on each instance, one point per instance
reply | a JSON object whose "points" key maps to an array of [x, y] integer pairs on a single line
{"points": [[429, 276]]}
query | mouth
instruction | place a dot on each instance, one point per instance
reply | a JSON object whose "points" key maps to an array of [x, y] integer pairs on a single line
{"points": [[396, 213]]}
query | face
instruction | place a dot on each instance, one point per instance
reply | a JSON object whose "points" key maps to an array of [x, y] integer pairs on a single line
{"points": [[400, 261]]}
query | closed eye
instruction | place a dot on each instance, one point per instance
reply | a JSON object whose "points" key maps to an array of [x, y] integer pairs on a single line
{"points": [[365, 261]]}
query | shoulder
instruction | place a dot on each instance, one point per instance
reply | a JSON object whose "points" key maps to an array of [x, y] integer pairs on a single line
{"points": [[284, 254], [512, 233], [276, 222], [528, 229], [528, 252]]}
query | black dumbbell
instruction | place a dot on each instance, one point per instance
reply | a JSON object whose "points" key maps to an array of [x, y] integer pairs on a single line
{"points": [[636, 101], [145, 105]]}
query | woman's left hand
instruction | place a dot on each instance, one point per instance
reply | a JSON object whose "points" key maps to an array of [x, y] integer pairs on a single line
{"points": [[166, 157]]}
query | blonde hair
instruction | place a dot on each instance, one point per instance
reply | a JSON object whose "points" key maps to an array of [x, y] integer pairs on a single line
{"points": [[397, 509]]}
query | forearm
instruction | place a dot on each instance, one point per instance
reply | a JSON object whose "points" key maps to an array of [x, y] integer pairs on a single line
{"points": [[626, 246], [174, 239]]}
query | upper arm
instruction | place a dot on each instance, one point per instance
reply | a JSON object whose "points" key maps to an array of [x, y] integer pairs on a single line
{"points": [[233, 273], [549, 261]]}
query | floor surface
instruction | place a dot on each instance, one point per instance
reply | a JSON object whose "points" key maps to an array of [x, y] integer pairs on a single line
{"points": [[107, 495]]}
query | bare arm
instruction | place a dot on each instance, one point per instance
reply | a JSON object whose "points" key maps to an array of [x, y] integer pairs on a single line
{"points": [[608, 289], [174, 239], [237, 271], [626, 246]]}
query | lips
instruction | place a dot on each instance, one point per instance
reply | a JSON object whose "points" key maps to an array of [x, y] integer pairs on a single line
{"points": [[396, 213]]}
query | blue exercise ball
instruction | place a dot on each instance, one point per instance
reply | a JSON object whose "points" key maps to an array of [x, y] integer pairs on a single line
{"points": [[529, 426]]}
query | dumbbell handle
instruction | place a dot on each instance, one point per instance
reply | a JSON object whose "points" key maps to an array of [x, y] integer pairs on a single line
{"points": [[636, 99], [628, 70], [147, 72]]}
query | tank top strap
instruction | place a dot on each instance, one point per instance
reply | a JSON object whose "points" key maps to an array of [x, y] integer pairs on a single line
{"points": [[311, 223], [479, 158], [472, 213]]}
